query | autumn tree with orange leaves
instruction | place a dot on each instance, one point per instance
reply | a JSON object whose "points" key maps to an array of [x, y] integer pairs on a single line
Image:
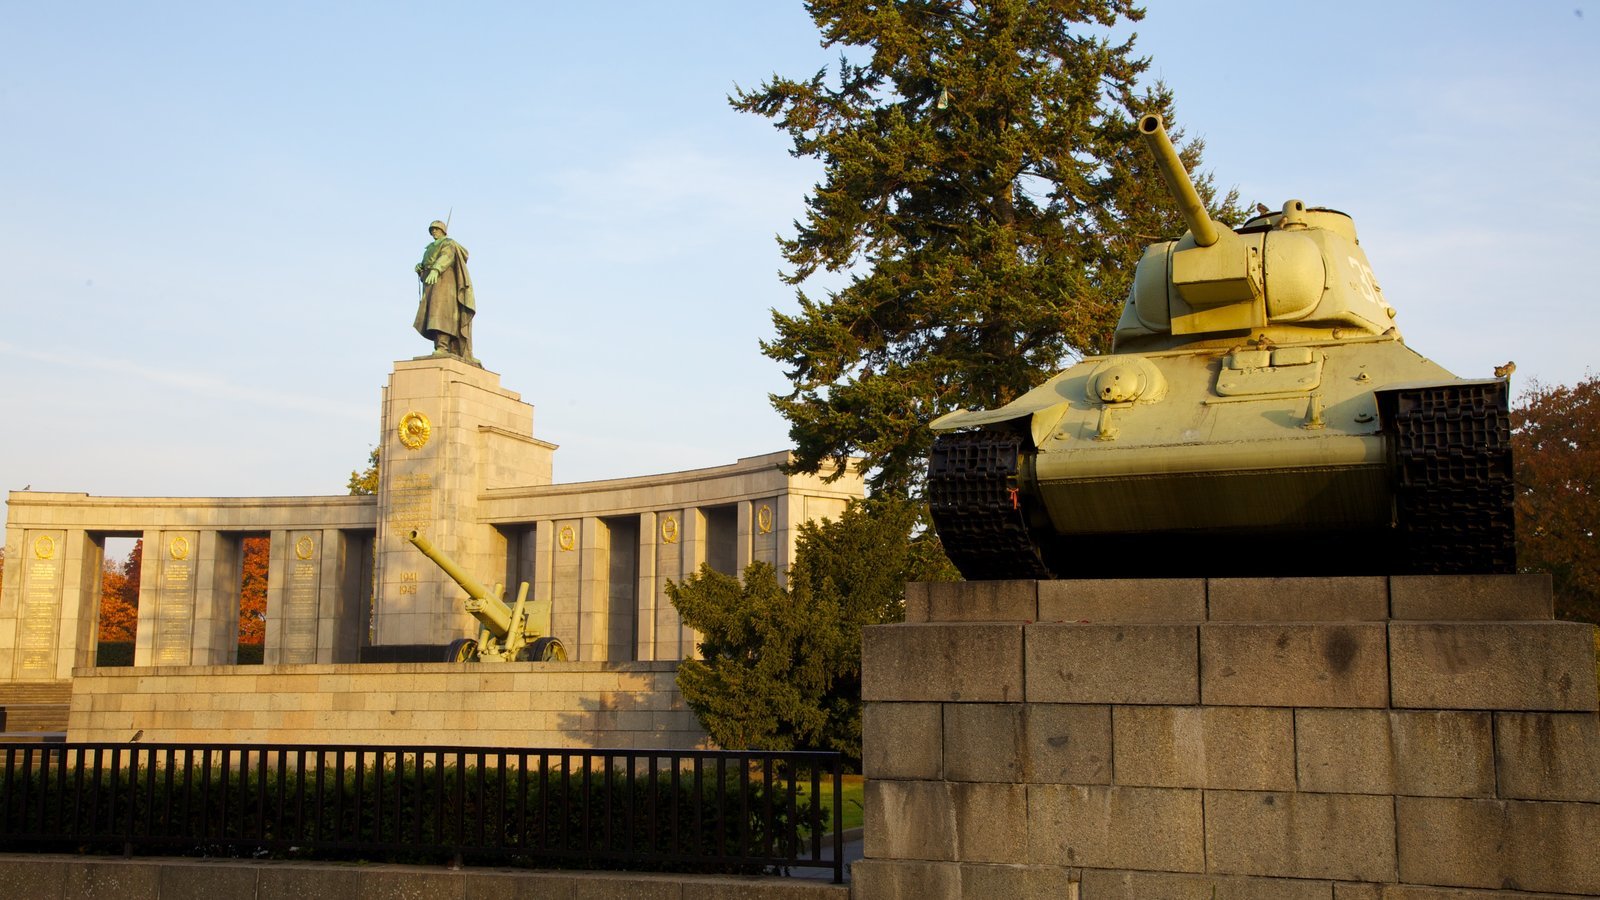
{"points": [[253, 592], [119, 596], [1556, 439]]}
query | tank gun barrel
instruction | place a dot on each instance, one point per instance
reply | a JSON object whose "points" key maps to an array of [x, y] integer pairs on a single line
{"points": [[1177, 178]]}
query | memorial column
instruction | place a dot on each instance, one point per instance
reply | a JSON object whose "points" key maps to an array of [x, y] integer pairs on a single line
{"points": [[646, 595]]}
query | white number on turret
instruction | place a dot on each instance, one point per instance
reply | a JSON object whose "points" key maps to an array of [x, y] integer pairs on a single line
{"points": [[1365, 282]]}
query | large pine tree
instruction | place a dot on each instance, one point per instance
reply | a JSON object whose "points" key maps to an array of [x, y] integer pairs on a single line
{"points": [[983, 190]]}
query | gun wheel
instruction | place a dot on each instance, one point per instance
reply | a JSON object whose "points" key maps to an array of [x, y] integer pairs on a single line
{"points": [[462, 650], [545, 649]]}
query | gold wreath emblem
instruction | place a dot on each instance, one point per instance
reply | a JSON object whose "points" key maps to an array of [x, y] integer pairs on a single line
{"points": [[764, 519], [566, 538], [303, 548], [414, 430], [669, 530], [179, 548], [44, 546]]}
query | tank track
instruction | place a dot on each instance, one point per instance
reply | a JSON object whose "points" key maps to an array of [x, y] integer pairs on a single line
{"points": [[1453, 479], [977, 509]]}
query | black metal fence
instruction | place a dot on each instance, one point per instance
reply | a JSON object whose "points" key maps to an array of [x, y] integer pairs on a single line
{"points": [[668, 810]]}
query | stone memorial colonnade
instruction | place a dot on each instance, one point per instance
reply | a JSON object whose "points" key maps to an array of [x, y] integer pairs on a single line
{"points": [[189, 584], [461, 465]]}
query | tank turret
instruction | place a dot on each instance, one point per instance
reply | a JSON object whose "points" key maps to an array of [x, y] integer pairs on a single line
{"points": [[1295, 274], [1259, 415]]}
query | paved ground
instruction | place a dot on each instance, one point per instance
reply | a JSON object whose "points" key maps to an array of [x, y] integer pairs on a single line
{"points": [[852, 852]]}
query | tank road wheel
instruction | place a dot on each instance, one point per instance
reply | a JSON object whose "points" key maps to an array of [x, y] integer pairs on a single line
{"points": [[545, 649], [462, 650], [972, 493], [1453, 488]]}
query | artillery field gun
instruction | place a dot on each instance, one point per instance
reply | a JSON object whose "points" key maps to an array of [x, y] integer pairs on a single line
{"points": [[1259, 415], [519, 633]]}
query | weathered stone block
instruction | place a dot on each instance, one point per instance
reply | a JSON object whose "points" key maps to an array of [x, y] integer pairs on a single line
{"points": [[1455, 598], [1344, 751], [491, 885], [1493, 665], [991, 822], [1239, 748], [1441, 753], [1512, 844], [1346, 599], [1417, 892], [203, 881], [1068, 743], [983, 601], [885, 879], [31, 876], [727, 887], [908, 820], [305, 882], [902, 740], [984, 742], [916, 602], [941, 820], [409, 883], [1016, 882], [122, 879], [1299, 835], [1111, 664], [942, 662], [1548, 756], [1318, 665], [1110, 827], [1119, 600], [1423, 753], [1100, 884]]}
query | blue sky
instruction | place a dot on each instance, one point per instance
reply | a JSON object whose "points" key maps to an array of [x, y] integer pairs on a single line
{"points": [[212, 211]]}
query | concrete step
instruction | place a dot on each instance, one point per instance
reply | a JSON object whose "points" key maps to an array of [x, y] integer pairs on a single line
{"points": [[33, 737], [13, 692], [34, 717]]}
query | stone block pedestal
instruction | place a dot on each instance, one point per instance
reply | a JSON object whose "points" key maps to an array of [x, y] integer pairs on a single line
{"points": [[1249, 738], [450, 432]]}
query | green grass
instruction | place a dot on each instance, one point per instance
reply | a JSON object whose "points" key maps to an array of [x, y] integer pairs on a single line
{"points": [[851, 792]]}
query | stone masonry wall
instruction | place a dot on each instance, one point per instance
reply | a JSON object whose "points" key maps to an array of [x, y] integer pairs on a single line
{"points": [[1338, 739], [612, 705]]}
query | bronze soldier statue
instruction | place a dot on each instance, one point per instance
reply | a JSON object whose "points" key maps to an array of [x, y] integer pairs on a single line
{"points": [[444, 315]]}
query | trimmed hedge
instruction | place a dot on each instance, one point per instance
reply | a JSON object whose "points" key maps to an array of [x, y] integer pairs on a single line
{"points": [[554, 819]]}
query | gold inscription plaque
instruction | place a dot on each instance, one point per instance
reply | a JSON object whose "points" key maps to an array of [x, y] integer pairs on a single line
{"points": [[669, 530], [414, 430], [411, 501], [764, 519], [299, 635], [44, 547], [303, 548], [173, 642], [39, 614], [565, 538]]}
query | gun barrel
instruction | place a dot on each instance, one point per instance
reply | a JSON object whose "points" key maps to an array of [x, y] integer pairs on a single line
{"points": [[469, 584], [1177, 179], [484, 606]]}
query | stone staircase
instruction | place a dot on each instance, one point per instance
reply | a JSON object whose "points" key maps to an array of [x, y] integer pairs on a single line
{"points": [[34, 711]]}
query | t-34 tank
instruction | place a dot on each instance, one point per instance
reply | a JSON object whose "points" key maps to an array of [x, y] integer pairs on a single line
{"points": [[1259, 415]]}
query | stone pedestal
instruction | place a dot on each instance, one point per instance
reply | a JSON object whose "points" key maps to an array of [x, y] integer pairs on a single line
{"points": [[450, 432], [1318, 738]]}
